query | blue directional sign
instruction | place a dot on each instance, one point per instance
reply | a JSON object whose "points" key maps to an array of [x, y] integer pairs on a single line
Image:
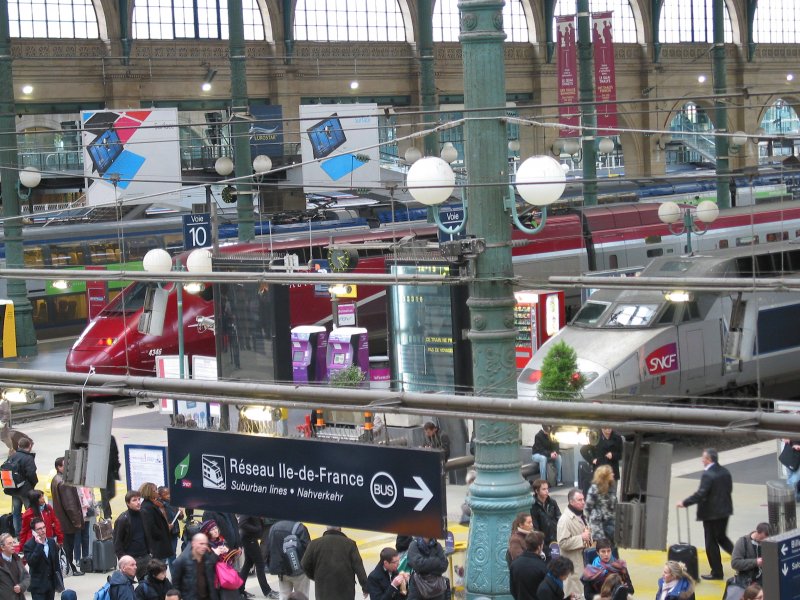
{"points": [[451, 217], [379, 488], [781, 569], [196, 231]]}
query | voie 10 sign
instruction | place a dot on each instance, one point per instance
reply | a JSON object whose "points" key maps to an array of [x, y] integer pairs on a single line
{"points": [[196, 231], [378, 488]]}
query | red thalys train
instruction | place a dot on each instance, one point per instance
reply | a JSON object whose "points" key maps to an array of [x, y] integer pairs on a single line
{"points": [[577, 241]]}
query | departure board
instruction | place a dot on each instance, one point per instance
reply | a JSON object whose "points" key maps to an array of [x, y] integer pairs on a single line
{"points": [[430, 352]]}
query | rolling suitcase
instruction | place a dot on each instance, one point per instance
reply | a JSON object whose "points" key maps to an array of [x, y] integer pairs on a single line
{"points": [[103, 556], [685, 553]]}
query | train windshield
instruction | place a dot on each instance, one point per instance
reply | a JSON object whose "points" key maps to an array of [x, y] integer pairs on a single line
{"points": [[590, 313], [128, 301], [632, 315]]}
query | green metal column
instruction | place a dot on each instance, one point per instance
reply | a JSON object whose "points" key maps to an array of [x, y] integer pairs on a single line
{"points": [[16, 288], [588, 107], [752, 5], [549, 17], [427, 77], [655, 7], [287, 6], [240, 126], [499, 492], [124, 30], [720, 108]]}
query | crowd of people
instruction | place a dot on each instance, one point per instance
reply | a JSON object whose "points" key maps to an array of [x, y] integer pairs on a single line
{"points": [[571, 554]]}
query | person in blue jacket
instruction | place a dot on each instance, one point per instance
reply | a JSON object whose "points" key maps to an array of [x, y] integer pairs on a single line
{"points": [[675, 583]]}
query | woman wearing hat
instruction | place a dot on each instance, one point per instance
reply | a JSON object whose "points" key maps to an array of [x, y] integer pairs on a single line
{"points": [[215, 539]]}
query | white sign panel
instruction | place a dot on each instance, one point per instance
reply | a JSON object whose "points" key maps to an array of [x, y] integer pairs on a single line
{"points": [[133, 153], [339, 144]]}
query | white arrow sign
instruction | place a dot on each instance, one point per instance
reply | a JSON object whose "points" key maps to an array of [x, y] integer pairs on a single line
{"points": [[424, 493], [784, 549], [785, 570]]}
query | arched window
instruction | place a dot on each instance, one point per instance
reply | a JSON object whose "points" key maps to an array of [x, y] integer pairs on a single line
{"points": [[347, 21], [623, 21], [777, 22], [690, 21], [192, 19], [52, 19], [446, 21]]}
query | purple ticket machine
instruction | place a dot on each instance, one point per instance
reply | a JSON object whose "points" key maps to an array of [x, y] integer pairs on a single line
{"points": [[309, 354], [348, 346]]}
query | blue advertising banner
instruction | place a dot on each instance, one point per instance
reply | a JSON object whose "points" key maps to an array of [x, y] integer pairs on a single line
{"points": [[378, 488], [266, 130]]}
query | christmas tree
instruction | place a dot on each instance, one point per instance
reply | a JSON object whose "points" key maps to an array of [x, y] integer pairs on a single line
{"points": [[561, 379]]}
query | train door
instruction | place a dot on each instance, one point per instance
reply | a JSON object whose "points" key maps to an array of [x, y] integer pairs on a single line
{"points": [[700, 351], [627, 378]]}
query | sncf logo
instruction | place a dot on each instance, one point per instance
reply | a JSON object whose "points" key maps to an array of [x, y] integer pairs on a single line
{"points": [[663, 359]]}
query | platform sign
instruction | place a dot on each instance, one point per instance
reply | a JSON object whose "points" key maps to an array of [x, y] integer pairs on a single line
{"points": [[379, 488], [451, 217], [196, 231], [782, 566]]}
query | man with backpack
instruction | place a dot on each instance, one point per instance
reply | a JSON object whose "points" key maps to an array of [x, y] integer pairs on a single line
{"points": [[121, 580], [286, 546], [18, 477]]}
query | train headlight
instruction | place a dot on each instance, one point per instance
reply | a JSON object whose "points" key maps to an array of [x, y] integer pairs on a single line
{"points": [[678, 296], [107, 341], [18, 395], [530, 376]]}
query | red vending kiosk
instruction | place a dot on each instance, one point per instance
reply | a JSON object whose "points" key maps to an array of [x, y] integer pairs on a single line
{"points": [[538, 315]]}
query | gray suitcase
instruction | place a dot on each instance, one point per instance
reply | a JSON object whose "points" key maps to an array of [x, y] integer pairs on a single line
{"points": [[628, 526], [103, 556]]}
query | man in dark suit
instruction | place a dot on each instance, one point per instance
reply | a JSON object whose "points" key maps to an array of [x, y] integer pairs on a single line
{"points": [[41, 553], [714, 506], [385, 583], [529, 569]]}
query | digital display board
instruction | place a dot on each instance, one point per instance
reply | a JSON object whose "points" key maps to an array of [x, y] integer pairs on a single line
{"points": [[430, 351]]}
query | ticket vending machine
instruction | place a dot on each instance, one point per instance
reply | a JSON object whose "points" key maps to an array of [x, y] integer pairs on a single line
{"points": [[309, 354], [348, 346]]}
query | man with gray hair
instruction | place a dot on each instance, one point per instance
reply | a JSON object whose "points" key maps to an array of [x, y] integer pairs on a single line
{"points": [[121, 580], [714, 499], [332, 562]]}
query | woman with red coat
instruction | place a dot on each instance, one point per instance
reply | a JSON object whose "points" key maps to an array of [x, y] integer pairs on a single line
{"points": [[42, 510]]}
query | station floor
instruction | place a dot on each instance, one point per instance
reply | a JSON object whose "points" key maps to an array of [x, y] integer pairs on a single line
{"points": [[751, 466]]}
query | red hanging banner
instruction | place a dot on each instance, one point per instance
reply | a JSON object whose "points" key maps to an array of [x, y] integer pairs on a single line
{"points": [[567, 65], [605, 83]]}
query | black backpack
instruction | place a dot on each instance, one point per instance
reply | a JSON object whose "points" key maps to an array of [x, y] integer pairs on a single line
{"points": [[10, 476], [293, 550]]}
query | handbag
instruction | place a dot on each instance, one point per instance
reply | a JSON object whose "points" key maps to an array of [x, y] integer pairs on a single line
{"points": [[227, 577], [430, 585], [734, 589], [789, 457], [63, 563], [103, 530]]}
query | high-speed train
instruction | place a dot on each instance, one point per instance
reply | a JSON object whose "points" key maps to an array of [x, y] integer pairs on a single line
{"points": [[571, 243], [648, 345]]}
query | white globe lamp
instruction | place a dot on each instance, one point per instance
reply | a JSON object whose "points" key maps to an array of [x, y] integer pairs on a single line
{"points": [[430, 180], [30, 177], [540, 180], [412, 155], [707, 211], [199, 261], [669, 212], [224, 166], [262, 164], [157, 260]]}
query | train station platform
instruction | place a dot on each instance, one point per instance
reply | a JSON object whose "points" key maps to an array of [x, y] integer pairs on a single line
{"points": [[751, 466], [51, 356]]}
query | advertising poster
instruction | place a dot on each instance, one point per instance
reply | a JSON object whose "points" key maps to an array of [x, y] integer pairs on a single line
{"points": [[605, 83], [339, 147], [567, 67], [145, 464], [266, 130], [133, 152]]}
